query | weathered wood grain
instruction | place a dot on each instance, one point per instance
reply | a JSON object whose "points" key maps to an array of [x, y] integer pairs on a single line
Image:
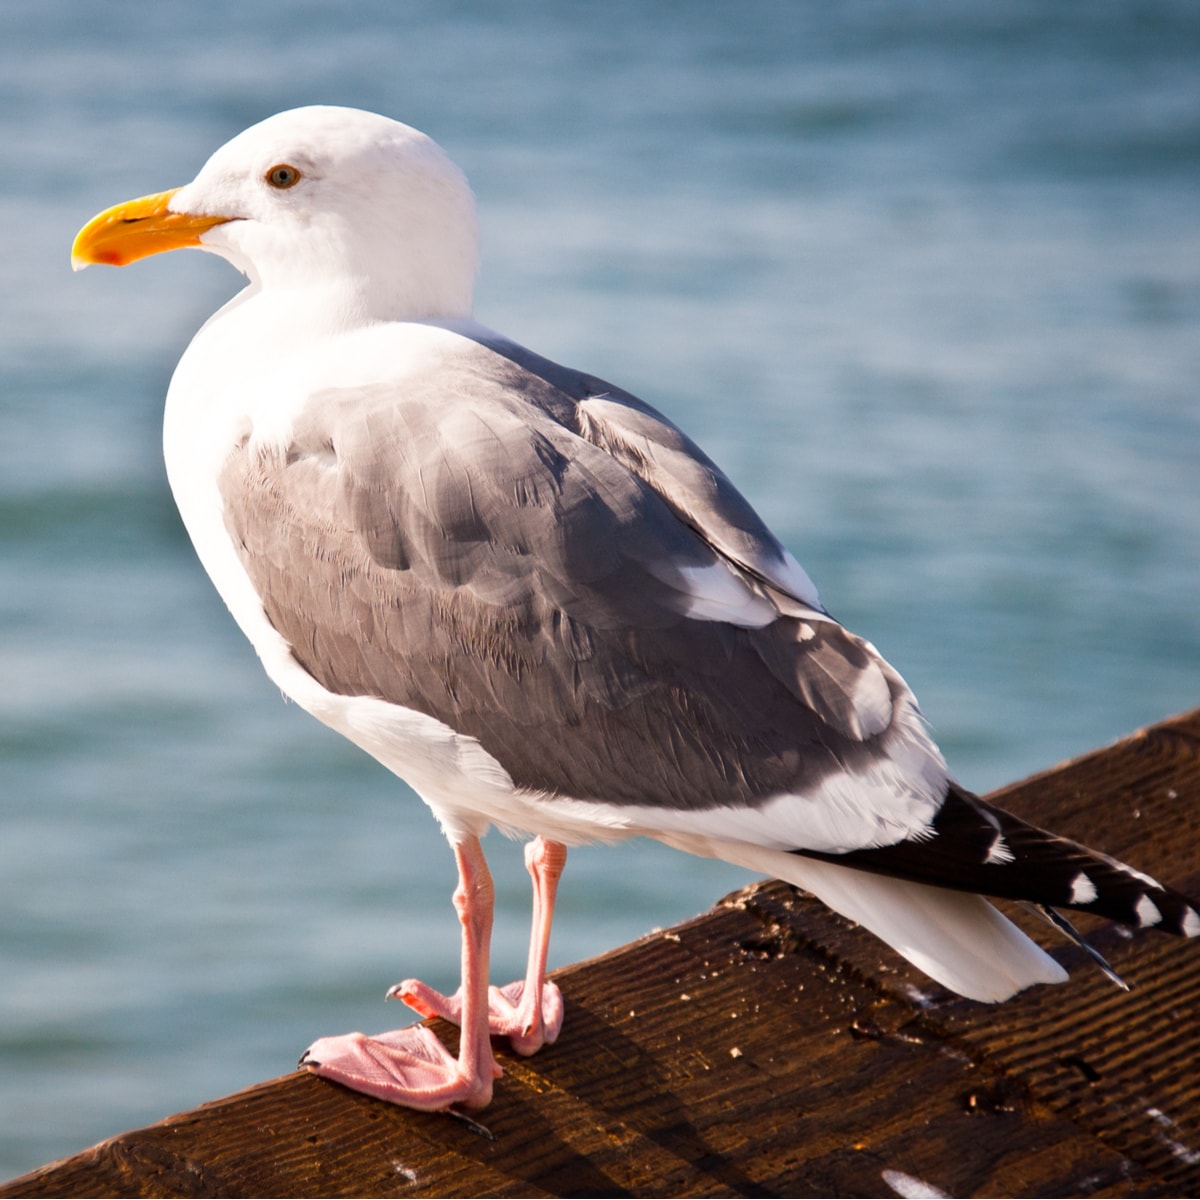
{"points": [[770, 1048]]}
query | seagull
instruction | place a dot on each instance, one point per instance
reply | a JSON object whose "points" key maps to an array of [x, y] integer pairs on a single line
{"points": [[535, 599]]}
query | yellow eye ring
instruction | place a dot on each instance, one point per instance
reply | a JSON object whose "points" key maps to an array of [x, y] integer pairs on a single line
{"points": [[282, 176]]}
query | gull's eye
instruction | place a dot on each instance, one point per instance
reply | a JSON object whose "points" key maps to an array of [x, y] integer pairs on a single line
{"points": [[282, 176]]}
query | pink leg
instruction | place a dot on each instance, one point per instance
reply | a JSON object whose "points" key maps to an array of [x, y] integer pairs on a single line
{"points": [[410, 1066], [529, 1012]]}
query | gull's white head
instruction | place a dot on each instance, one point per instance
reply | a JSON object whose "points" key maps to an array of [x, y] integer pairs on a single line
{"points": [[319, 197]]}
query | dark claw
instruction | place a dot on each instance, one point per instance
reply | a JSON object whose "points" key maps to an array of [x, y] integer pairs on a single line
{"points": [[473, 1125]]}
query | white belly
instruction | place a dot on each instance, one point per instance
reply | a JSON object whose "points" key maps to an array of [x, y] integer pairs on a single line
{"points": [[220, 398]]}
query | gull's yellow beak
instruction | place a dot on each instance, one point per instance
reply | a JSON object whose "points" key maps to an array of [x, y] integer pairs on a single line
{"points": [[136, 229]]}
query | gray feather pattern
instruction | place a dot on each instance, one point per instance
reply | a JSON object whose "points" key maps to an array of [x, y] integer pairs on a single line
{"points": [[456, 545]]}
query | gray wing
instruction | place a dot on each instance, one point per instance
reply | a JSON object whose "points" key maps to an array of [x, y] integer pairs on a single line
{"points": [[565, 578], [660, 453]]}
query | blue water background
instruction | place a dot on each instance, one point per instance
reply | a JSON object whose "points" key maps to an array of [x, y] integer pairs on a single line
{"points": [[923, 277]]}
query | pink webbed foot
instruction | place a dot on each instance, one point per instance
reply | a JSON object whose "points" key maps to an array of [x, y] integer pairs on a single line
{"points": [[411, 1067], [513, 1011], [407, 1066], [529, 1012]]}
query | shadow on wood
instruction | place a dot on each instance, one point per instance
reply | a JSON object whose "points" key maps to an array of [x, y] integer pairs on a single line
{"points": [[770, 1048]]}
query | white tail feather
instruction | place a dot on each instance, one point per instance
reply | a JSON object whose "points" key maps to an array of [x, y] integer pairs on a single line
{"points": [[956, 938]]}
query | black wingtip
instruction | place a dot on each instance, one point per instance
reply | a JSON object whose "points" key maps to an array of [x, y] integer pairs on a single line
{"points": [[1055, 918], [975, 847]]}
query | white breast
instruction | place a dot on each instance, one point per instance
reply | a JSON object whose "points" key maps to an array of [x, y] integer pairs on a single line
{"points": [[228, 390]]}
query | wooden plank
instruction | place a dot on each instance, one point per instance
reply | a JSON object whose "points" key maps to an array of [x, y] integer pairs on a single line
{"points": [[772, 1048]]}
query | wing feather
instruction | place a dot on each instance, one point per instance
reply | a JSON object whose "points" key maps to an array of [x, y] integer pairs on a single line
{"points": [[606, 615]]}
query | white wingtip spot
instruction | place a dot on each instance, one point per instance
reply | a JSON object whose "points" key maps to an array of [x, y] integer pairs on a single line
{"points": [[1191, 923], [1147, 912], [1083, 890], [998, 851]]}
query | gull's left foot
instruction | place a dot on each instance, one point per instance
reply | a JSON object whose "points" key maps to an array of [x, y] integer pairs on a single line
{"points": [[513, 1012]]}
